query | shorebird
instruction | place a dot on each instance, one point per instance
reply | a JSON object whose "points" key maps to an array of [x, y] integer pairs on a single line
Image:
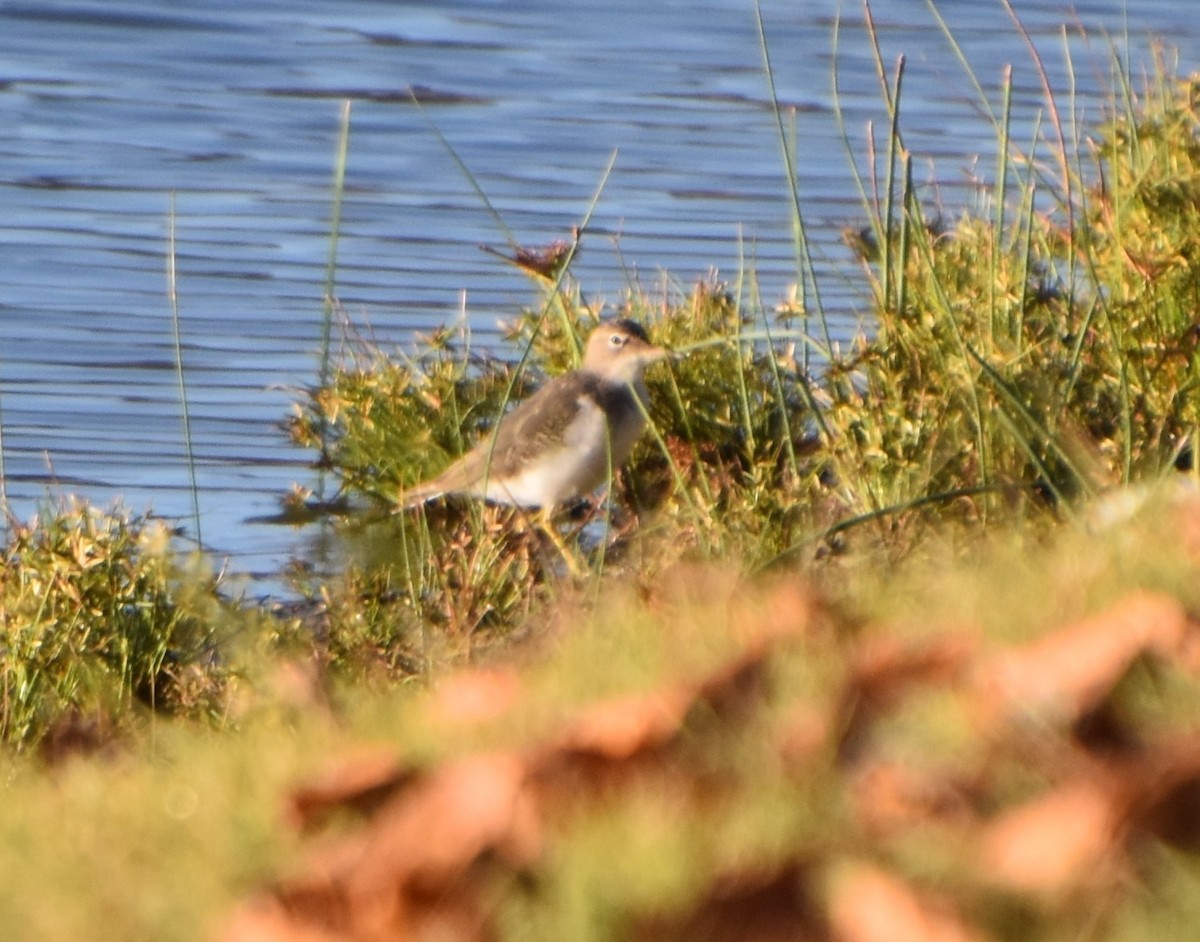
{"points": [[567, 438]]}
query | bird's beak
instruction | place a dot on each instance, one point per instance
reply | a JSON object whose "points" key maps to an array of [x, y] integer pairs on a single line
{"points": [[648, 353]]}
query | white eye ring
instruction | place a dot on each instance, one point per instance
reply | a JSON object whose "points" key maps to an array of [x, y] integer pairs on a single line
{"points": [[617, 340]]}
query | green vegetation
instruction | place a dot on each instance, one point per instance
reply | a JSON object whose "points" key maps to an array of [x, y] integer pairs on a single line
{"points": [[97, 612], [702, 745], [1020, 362], [911, 622], [1048, 350]]}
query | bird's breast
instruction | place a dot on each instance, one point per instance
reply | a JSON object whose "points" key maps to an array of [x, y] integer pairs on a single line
{"points": [[604, 426]]}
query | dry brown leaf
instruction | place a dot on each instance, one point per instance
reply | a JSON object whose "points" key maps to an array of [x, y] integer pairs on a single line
{"points": [[889, 796], [1054, 842], [414, 872], [545, 261], [1160, 792], [803, 734], [1070, 671], [266, 919], [868, 904], [1079, 833], [751, 905], [777, 612], [621, 729], [1189, 651], [455, 814], [360, 782], [735, 687], [643, 726], [886, 668], [471, 697]]}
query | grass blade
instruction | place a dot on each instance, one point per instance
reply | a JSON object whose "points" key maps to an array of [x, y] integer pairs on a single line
{"points": [[329, 301], [177, 335], [805, 283], [335, 225]]}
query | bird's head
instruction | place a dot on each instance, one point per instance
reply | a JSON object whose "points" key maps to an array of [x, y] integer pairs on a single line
{"points": [[620, 350]]}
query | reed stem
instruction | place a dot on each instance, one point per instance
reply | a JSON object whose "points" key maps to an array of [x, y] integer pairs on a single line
{"points": [[177, 339]]}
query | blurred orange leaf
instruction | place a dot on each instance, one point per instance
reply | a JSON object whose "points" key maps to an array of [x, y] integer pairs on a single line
{"points": [[1054, 841], [1070, 671], [787, 609], [360, 782], [884, 669], [870, 905], [750, 905], [889, 795], [608, 741], [470, 697], [413, 873], [266, 919], [1161, 791]]}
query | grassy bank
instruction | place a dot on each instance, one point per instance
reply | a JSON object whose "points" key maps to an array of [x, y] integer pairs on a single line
{"points": [[997, 742], [894, 639]]}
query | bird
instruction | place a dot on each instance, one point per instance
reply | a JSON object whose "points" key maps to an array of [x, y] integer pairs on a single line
{"points": [[564, 441]]}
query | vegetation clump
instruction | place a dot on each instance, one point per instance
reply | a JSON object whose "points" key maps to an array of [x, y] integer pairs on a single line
{"points": [[96, 614], [1018, 363], [1051, 354], [385, 422], [723, 470]]}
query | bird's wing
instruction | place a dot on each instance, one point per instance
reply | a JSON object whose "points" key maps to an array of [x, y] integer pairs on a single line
{"points": [[521, 433], [539, 420]]}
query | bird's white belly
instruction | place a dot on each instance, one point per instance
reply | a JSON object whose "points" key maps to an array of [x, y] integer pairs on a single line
{"points": [[543, 485], [578, 466]]}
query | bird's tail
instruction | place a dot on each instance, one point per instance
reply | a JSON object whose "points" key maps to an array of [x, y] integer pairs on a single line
{"points": [[419, 494]]}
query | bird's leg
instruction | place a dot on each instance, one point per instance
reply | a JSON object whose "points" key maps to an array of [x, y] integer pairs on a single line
{"points": [[543, 520]]}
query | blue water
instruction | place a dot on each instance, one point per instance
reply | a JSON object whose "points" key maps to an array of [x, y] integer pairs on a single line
{"points": [[110, 106]]}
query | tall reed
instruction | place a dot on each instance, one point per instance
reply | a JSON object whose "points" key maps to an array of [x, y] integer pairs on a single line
{"points": [[181, 379], [329, 299]]}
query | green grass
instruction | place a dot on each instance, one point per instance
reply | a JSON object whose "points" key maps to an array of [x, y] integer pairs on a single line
{"points": [[100, 613], [185, 820]]}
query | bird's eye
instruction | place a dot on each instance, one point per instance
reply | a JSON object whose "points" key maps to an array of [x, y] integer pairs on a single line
{"points": [[616, 340]]}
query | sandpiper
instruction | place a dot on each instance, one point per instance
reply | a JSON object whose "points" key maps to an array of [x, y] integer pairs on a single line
{"points": [[566, 439]]}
